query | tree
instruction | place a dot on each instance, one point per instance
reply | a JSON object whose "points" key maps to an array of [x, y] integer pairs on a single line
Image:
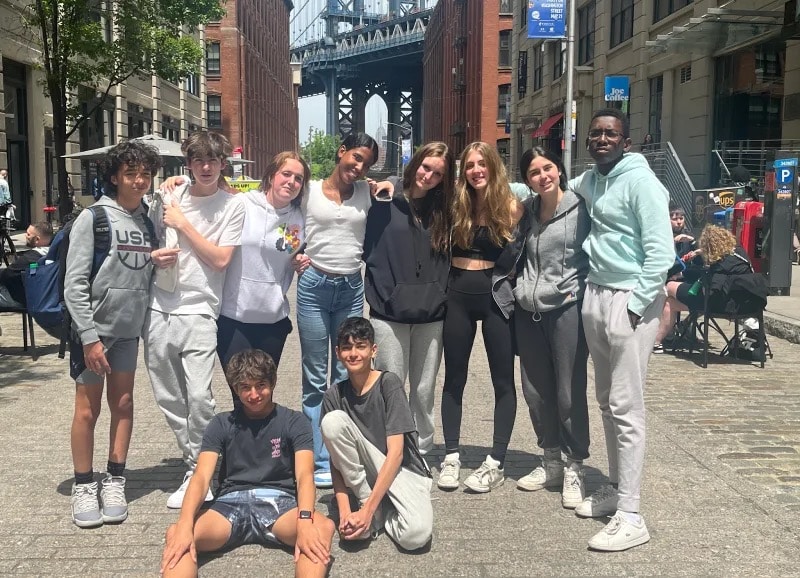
{"points": [[142, 37], [320, 153]]}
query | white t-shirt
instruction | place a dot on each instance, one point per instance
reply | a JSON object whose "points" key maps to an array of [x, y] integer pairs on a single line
{"points": [[335, 233], [260, 272], [218, 218]]}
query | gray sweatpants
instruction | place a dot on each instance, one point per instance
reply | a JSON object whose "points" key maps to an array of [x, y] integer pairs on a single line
{"points": [[179, 351], [409, 519], [552, 359], [620, 355], [413, 351]]}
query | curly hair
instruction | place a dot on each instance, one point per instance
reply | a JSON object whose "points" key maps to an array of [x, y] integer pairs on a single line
{"points": [[716, 243], [131, 153], [497, 197], [277, 163], [438, 198], [250, 365]]}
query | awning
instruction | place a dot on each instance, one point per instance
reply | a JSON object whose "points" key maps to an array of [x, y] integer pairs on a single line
{"points": [[545, 127]]}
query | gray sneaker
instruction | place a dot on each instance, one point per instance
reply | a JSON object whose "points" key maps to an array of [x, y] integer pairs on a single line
{"points": [[115, 507], [549, 475], [602, 503], [85, 508]]}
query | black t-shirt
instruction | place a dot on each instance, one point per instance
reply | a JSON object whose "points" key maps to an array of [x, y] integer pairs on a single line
{"points": [[258, 453], [382, 411]]}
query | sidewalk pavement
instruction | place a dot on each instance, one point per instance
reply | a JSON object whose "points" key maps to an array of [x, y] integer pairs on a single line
{"points": [[721, 492]]}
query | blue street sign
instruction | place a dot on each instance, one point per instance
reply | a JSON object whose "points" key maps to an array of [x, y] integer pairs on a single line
{"points": [[547, 18], [784, 175], [618, 88]]}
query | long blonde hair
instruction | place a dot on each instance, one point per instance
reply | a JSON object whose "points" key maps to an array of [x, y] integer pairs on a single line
{"points": [[716, 243], [497, 199]]}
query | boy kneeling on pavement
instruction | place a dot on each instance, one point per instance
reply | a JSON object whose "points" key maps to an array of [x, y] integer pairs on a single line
{"points": [[370, 433], [264, 448]]}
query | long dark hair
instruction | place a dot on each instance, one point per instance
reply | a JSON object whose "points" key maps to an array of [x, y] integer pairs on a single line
{"points": [[530, 154], [437, 200]]}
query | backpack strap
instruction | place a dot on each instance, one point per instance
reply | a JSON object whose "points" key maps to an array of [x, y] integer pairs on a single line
{"points": [[102, 239]]}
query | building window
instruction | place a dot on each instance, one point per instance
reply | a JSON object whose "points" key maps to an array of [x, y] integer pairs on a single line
{"points": [[192, 85], [586, 16], [559, 58], [507, 7], [656, 99], [522, 73], [214, 102], [621, 21], [663, 8], [686, 74], [212, 58], [504, 150], [505, 49], [538, 67], [503, 101], [524, 13]]}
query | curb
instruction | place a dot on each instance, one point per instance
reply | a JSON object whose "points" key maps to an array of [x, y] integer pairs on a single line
{"points": [[782, 327]]}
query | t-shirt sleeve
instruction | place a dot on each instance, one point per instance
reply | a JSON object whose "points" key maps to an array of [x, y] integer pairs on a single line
{"points": [[214, 436], [398, 413], [300, 432], [233, 223]]}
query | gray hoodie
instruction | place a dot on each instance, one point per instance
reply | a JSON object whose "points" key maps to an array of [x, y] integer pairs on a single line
{"points": [[115, 302], [555, 267]]}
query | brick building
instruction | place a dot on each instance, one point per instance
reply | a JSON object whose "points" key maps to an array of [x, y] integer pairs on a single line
{"points": [[467, 67], [250, 96]]}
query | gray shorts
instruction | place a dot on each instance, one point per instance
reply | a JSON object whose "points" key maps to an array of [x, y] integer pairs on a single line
{"points": [[252, 513], [120, 353]]}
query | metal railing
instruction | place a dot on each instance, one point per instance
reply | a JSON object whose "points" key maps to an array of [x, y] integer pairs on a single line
{"points": [[754, 155]]}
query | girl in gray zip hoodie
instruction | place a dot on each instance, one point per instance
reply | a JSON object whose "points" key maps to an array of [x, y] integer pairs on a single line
{"points": [[549, 331]]}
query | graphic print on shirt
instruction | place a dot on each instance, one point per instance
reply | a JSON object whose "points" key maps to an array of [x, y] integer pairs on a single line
{"points": [[133, 248], [288, 238], [276, 447]]}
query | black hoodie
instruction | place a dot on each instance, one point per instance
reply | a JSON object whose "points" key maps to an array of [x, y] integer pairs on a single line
{"points": [[405, 278]]}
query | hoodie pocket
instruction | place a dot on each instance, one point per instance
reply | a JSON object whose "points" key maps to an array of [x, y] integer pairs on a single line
{"points": [[120, 313], [416, 302]]}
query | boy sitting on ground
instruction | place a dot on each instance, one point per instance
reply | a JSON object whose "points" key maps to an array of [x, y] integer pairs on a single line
{"points": [[370, 434], [264, 448]]}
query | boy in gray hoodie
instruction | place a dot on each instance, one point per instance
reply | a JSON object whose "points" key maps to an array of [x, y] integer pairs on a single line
{"points": [[108, 308]]}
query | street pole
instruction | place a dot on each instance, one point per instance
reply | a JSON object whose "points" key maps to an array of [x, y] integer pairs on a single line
{"points": [[569, 104]]}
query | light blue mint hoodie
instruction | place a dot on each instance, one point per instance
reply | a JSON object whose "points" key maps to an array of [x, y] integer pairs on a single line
{"points": [[630, 245]]}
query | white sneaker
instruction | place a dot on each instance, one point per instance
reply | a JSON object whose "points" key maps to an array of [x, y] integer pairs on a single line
{"points": [[486, 478], [85, 507], [548, 475], [602, 503], [175, 501], [572, 490], [112, 495], [449, 474], [620, 534]]}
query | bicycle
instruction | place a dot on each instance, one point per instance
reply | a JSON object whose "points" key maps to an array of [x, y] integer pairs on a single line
{"points": [[7, 249]]}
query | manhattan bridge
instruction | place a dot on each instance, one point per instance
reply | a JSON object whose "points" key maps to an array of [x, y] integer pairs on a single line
{"points": [[352, 50]]}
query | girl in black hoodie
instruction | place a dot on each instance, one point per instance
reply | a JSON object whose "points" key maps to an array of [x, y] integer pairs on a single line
{"points": [[407, 257]]}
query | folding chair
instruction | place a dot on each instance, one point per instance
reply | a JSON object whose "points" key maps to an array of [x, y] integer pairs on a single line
{"points": [[27, 327], [744, 298]]}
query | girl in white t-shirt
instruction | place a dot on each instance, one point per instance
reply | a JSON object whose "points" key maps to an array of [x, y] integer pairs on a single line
{"points": [[330, 288]]}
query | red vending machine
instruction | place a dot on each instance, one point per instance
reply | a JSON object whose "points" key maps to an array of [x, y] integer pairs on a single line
{"points": [[748, 228]]}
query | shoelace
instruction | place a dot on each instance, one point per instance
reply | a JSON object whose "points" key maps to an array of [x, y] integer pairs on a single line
{"points": [[448, 469], [614, 525], [573, 480], [114, 493], [604, 493], [85, 499], [484, 471]]}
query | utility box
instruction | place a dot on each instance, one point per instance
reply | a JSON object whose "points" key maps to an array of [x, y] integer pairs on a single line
{"points": [[748, 228]]}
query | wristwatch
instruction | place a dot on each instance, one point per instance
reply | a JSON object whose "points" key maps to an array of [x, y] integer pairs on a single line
{"points": [[305, 515]]}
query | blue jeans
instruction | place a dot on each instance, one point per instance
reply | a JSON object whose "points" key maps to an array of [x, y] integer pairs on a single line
{"points": [[323, 303]]}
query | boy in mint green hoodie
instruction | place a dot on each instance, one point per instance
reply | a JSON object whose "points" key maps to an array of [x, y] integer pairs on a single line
{"points": [[630, 249]]}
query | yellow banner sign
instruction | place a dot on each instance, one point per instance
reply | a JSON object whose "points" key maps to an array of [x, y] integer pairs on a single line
{"points": [[242, 186]]}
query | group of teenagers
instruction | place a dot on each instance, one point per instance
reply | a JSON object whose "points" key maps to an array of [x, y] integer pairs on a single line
{"points": [[576, 268]]}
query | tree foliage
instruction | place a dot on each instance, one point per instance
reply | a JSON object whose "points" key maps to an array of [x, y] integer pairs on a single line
{"points": [[99, 44], [320, 153]]}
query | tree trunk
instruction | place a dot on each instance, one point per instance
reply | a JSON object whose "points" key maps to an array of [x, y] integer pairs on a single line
{"points": [[65, 201]]}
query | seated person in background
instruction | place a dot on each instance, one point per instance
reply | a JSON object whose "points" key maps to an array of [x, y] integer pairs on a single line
{"points": [[722, 257], [372, 439], [37, 238], [682, 235], [266, 492]]}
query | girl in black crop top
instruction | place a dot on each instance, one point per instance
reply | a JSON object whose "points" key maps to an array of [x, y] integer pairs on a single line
{"points": [[484, 214]]}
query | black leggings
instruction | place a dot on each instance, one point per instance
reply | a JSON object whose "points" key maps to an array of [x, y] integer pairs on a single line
{"points": [[469, 299]]}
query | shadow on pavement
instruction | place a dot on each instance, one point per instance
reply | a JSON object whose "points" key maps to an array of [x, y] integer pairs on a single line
{"points": [[164, 477]]}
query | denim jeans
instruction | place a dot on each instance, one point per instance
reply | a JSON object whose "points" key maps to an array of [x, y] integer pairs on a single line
{"points": [[323, 303]]}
